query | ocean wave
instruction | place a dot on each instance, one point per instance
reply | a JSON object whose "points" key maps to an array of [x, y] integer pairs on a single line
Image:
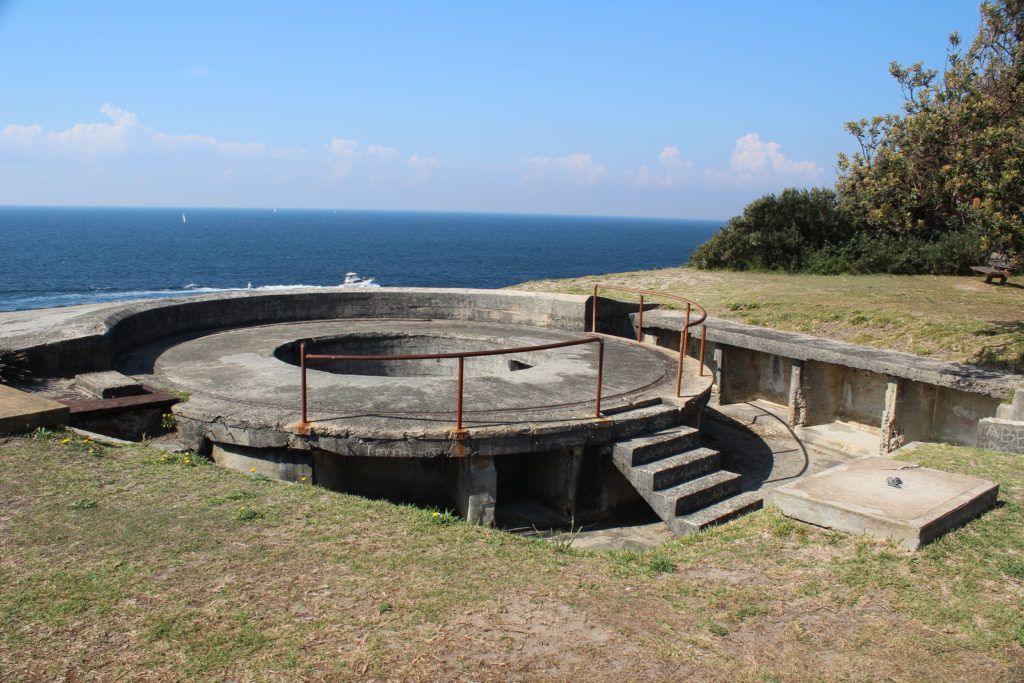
{"points": [[96, 296]]}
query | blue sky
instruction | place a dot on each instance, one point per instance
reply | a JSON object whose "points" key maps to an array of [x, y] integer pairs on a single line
{"points": [[674, 109]]}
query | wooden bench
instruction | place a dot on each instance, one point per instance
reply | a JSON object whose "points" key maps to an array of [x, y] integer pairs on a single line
{"points": [[999, 266]]}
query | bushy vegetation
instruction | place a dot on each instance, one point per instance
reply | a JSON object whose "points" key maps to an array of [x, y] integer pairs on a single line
{"points": [[788, 232], [12, 366], [932, 190]]}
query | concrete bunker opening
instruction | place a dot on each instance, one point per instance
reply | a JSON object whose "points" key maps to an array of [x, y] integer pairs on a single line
{"points": [[392, 344]]}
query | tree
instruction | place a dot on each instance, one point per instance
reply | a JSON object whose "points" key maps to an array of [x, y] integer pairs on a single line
{"points": [[953, 162], [783, 232]]}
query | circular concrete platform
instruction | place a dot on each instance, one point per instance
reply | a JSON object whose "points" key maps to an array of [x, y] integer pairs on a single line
{"points": [[245, 386]]}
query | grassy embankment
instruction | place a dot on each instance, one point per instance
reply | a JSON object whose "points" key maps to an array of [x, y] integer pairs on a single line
{"points": [[129, 563], [953, 318]]}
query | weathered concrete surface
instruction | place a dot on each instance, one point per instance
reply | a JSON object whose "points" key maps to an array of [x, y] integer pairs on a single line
{"points": [[69, 341], [243, 393], [857, 497], [823, 382], [281, 465], [1006, 436], [20, 411], [968, 378], [135, 417], [108, 384], [475, 489]]}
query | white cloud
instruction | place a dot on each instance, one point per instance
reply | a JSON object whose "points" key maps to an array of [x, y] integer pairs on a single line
{"points": [[91, 138], [753, 157], [675, 171], [754, 165], [423, 167], [382, 152], [416, 161], [579, 169], [122, 134], [347, 153], [344, 148], [248, 149], [18, 134]]}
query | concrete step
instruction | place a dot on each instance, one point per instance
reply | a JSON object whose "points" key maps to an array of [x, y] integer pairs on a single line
{"points": [[644, 420], [718, 513], [675, 469], [694, 494], [650, 447]]}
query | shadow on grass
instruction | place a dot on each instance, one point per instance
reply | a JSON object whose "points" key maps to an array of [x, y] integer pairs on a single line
{"points": [[999, 355]]}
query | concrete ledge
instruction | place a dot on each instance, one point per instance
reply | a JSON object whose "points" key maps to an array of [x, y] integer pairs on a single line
{"points": [[967, 378], [20, 411], [857, 497], [109, 384]]}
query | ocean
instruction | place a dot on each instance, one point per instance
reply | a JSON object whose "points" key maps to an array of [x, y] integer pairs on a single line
{"points": [[53, 257]]}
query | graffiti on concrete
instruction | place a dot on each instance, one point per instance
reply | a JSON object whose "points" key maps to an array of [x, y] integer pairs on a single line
{"points": [[1001, 435]]}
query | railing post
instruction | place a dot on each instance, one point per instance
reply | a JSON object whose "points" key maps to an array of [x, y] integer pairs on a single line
{"points": [[458, 405], [593, 312], [703, 338], [684, 340], [302, 365], [640, 325], [600, 370]]}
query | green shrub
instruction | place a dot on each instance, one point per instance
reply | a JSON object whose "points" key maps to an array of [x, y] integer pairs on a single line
{"points": [[809, 231], [778, 233]]}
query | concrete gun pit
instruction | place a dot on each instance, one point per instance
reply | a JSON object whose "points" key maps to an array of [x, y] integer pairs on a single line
{"points": [[533, 453], [386, 428]]}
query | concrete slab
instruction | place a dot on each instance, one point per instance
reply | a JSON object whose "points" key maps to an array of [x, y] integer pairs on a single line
{"points": [[859, 497], [855, 439], [20, 411], [109, 384]]}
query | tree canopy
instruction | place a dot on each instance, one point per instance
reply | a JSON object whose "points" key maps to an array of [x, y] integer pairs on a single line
{"points": [[953, 161], [932, 189]]}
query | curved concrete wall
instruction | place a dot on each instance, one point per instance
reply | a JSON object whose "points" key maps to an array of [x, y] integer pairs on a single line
{"points": [[64, 342]]}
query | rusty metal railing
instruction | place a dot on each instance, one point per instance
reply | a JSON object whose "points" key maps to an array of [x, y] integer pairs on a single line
{"points": [[462, 356], [684, 338]]}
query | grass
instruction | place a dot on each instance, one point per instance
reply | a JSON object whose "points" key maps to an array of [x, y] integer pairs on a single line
{"points": [[954, 318], [131, 563]]}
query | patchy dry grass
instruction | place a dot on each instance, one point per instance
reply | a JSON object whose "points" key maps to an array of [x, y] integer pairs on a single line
{"points": [[954, 318], [129, 563]]}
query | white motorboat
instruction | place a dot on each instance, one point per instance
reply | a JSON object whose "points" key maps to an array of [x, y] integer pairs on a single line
{"points": [[353, 280]]}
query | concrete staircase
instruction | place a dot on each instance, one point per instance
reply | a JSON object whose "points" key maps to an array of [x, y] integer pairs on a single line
{"points": [[681, 481]]}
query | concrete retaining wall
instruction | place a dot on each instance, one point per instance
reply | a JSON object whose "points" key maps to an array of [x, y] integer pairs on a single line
{"points": [[818, 381]]}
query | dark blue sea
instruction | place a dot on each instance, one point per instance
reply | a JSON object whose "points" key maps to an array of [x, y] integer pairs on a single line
{"points": [[66, 256]]}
